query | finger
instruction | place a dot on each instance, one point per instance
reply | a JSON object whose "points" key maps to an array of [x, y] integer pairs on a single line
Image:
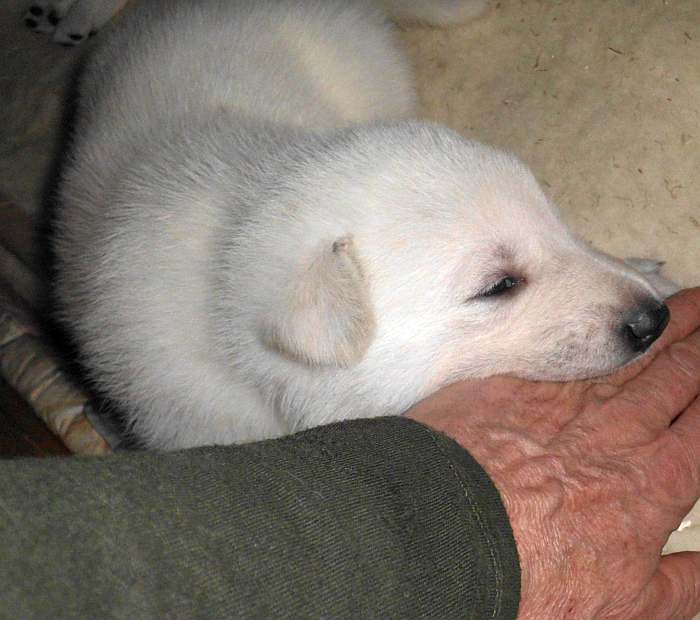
{"points": [[687, 428], [684, 436], [684, 307], [666, 387], [674, 590]]}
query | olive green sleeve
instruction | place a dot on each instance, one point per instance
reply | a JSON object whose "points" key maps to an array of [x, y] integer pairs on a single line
{"points": [[371, 518]]}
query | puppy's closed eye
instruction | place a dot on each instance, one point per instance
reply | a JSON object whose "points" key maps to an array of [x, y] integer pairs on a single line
{"points": [[501, 286]]}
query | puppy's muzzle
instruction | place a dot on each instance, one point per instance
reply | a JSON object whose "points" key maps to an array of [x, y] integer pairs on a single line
{"points": [[645, 324]]}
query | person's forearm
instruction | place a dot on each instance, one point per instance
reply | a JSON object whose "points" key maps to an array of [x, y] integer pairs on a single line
{"points": [[380, 517]]}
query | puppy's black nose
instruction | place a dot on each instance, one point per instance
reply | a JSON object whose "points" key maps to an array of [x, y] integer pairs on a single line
{"points": [[645, 325]]}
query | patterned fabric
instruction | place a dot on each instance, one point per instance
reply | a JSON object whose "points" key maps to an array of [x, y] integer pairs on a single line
{"points": [[29, 365]]}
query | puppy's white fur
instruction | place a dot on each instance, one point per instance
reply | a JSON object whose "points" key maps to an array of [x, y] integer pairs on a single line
{"points": [[252, 240]]}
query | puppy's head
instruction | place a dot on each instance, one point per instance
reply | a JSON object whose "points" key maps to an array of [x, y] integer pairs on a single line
{"points": [[427, 258]]}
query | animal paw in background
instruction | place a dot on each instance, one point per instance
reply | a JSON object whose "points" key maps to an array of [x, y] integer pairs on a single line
{"points": [[651, 269], [70, 21]]}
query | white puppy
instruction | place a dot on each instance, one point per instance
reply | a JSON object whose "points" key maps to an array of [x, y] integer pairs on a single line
{"points": [[253, 240]]}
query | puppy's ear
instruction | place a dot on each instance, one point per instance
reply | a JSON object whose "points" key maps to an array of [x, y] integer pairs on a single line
{"points": [[326, 318]]}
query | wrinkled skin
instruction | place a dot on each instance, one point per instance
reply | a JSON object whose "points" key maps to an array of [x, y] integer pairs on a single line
{"points": [[594, 476]]}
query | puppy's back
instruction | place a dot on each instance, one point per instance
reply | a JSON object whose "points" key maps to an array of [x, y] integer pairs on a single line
{"points": [[319, 63]]}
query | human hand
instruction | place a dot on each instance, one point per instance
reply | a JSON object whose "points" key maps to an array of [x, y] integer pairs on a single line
{"points": [[594, 476]]}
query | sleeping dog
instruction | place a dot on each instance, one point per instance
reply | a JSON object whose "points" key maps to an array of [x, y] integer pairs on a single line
{"points": [[255, 237]]}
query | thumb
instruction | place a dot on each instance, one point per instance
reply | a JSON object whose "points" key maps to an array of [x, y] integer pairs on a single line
{"points": [[674, 591], [685, 316]]}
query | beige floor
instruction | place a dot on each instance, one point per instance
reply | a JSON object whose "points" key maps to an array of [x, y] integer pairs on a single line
{"points": [[600, 97]]}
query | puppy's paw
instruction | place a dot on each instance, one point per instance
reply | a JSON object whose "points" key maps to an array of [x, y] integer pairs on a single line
{"points": [[70, 21], [651, 270], [645, 265], [43, 16]]}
